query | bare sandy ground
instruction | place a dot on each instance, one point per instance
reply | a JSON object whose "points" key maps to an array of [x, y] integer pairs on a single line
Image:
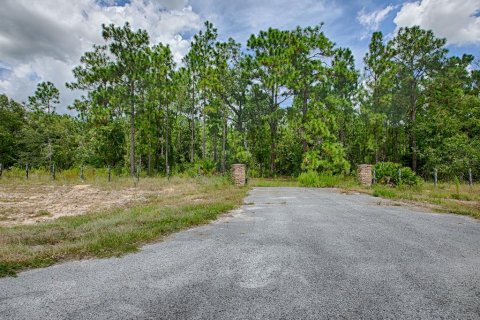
{"points": [[28, 204]]}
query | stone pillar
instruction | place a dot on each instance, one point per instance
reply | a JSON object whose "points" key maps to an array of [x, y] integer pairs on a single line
{"points": [[238, 174], [365, 174]]}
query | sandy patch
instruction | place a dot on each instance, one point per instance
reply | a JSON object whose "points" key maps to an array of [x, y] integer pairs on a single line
{"points": [[34, 203]]}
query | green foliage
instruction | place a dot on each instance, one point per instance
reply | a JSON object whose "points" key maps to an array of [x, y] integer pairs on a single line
{"points": [[201, 168], [390, 173], [308, 179], [11, 126], [330, 160], [457, 185], [313, 179], [384, 192], [45, 98], [291, 101], [243, 156]]}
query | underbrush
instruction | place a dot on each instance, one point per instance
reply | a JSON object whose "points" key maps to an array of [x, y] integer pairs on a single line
{"points": [[314, 179], [67, 176], [273, 182]]}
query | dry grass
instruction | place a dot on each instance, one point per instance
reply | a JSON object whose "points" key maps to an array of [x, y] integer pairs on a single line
{"points": [[446, 197], [28, 203], [116, 231]]}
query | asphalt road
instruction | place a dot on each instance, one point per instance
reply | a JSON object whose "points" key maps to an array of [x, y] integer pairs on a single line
{"points": [[290, 253]]}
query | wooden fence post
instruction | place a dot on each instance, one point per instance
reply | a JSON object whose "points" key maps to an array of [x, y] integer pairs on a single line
{"points": [[138, 171], [109, 176], [470, 178], [26, 170], [1, 170], [53, 171], [81, 173], [435, 172]]}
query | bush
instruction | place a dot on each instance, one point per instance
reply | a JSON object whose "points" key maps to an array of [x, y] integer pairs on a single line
{"points": [[200, 168], [308, 179], [388, 173], [313, 179]]}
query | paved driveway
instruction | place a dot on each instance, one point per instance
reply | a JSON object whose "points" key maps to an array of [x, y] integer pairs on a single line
{"points": [[291, 253]]}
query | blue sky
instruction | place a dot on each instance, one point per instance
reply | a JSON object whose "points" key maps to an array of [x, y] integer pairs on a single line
{"points": [[43, 40]]}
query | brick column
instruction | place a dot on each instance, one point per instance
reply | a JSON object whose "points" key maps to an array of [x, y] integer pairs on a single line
{"points": [[238, 174], [365, 174]]}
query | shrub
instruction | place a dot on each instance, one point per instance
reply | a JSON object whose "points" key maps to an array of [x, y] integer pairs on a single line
{"points": [[331, 159], [313, 179], [308, 179], [199, 168], [388, 173]]}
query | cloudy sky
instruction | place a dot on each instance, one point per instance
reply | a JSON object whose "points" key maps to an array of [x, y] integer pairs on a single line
{"points": [[43, 40]]}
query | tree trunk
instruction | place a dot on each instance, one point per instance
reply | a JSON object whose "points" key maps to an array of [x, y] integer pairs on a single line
{"points": [[304, 120], [273, 146], [413, 136], [224, 139], [192, 135], [204, 143], [132, 137], [167, 166], [149, 160], [215, 151], [273, 132]]}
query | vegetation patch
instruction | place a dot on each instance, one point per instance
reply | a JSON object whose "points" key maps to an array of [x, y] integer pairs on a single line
{"points": [[390, 173], [314, 179], [116, 231], [465, 201]]}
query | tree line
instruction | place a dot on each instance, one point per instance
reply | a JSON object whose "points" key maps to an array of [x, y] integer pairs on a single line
{"points": [[289, 101]]}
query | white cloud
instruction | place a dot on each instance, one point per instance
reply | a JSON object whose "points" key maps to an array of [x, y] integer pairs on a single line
{"points": [[456, 20], [240, 19], [43, 40], [371, 20]]}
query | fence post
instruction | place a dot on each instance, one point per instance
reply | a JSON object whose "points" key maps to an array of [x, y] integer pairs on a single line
{"points": [[1, 170], [399, 176], [374, 173], [435, 172], [470, 178], [26, 170], [109, 177], [138, 171], [81, 173], [53, 171]]}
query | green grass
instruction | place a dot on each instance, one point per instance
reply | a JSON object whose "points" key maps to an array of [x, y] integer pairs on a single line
{"points": [[446, 197], [384, 192], [119, 231], [313, 179], [16, 175], [273, 182]]}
